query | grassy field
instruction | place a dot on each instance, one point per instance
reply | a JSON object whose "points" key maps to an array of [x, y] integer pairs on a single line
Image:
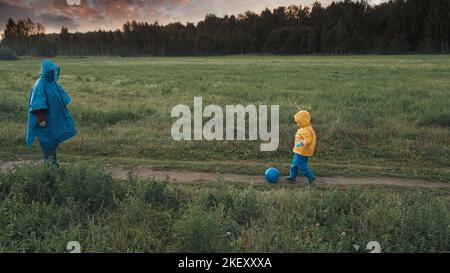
{"points": [[42, 209], [374, 115]]}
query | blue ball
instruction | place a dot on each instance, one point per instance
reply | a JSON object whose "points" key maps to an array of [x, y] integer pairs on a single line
{"points": [[272, 175]]}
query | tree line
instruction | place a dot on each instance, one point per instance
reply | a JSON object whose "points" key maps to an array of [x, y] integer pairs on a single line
{"points": [[344, 27]]}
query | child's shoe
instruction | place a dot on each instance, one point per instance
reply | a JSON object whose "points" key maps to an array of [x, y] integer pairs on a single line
{"points": [[310, 181], [290, 180]]}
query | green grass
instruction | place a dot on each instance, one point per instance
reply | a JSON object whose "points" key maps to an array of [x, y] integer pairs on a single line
{"points": [[374, 115], [42, 209]]}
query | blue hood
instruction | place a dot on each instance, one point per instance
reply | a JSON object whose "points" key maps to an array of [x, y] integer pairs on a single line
{"points": [[48, 69]]}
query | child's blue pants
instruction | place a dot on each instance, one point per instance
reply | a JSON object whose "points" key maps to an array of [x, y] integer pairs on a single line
{"points": [[300, 163]]}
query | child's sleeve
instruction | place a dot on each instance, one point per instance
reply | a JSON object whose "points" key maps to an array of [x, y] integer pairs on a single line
{"points": [[38, 99], [307, 136]]}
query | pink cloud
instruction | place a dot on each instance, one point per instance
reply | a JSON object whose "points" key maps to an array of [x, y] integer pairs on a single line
{"points": [[110, 15]]}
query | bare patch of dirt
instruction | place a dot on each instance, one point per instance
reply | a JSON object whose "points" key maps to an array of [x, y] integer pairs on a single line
{"points": [[146, 172]]}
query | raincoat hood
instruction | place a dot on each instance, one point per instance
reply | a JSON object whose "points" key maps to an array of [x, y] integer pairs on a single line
{"points": [[303, 119], [48, 69]]}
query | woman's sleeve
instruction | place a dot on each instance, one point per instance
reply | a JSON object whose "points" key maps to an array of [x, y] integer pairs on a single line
{"points": [[40, 115]]}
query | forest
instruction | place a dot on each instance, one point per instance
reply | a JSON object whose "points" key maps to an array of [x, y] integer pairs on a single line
{"points": [[344, 27]]}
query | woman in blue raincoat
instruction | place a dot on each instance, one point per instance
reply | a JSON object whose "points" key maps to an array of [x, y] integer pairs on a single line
{"points": [[48, 118]]}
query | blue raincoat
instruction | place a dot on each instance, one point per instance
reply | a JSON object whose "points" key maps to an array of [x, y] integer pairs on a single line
{"points": [[47, 94]]}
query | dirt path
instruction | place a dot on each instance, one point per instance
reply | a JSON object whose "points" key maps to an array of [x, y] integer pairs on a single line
{"points": [[186, 177], [146, 172]]}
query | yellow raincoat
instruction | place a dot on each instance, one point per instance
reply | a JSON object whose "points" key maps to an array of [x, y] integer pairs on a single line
{"points": [[305, 134]]}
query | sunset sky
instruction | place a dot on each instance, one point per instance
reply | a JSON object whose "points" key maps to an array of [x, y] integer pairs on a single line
{"points": [[111, 14]]}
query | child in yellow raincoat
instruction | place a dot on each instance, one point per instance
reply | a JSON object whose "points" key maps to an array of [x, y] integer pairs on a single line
{"points": [[305, 144]]}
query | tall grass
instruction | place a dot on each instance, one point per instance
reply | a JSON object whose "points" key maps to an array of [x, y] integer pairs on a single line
{"points": [[42, 209], [110, 117]]}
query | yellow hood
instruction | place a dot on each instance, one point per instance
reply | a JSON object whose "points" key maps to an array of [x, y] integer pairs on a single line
{"points": [[303, 119]]}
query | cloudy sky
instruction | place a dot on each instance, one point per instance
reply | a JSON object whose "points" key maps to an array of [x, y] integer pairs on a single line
{"points": [[111, 14]]}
